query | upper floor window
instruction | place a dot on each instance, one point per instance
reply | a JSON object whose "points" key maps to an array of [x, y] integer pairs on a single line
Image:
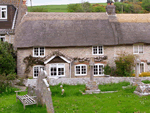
{"points": [[97, 50], [2, 38], [138, 48], [81, 69], [3, 12], [38, 52]]}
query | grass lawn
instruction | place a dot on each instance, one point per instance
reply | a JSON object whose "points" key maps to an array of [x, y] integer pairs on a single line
{"points": [[8, 104], [58, 8], [123, 101]]}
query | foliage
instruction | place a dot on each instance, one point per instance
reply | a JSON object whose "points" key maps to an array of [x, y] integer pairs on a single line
{"points": [[107, 70], [99, 9], [30, 61], [11, 76], [74, 8], [86, 6], [146, 81], [5, 86], [39, 9], [124, 64], [146, 5], [144, 74], [20, 83], [7, 58]]}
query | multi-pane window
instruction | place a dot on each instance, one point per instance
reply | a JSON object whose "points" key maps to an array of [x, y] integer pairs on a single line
{"points": [[81, 69], [2, 38], [36, 70], [38, 51], [98, 69], [98, 50], [3, 12], [57, 69], [141, 67], [138, 48]]}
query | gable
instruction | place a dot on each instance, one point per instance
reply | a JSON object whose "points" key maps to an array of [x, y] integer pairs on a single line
{"points": [[57, 59]]}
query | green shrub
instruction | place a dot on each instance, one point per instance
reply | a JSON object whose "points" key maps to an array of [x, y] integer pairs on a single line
{"points": [[7, 58], [146, 5], [99, 9], [124, 64], [74, 8], [107, 70], [146, 81], [11, 77], [39, 9]]}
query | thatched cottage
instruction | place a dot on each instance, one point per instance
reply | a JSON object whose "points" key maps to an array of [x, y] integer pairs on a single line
{"points": [[64, 43]]}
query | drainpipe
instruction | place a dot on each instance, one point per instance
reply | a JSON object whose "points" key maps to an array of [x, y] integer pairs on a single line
{"points": [[14, 20]]}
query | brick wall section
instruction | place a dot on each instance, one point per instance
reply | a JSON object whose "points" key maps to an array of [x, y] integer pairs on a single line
{"points": [[81, 52]]}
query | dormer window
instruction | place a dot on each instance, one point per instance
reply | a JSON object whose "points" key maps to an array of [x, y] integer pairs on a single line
{"points": [[38, 52], [97, 50], [2, 38], [138, 48], [3, 12]]}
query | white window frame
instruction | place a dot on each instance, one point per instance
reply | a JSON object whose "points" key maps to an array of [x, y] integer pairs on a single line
{"points": [[138, 48], [39, 66], [38, 52], [98, 50], [2, 37], [80, 70], [98, 70], [140, 68], [57, 66], [2, 11]]}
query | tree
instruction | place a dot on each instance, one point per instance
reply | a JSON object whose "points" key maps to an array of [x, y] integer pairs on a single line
{"points": [[7, 58], [86, 6], [146, 5]]}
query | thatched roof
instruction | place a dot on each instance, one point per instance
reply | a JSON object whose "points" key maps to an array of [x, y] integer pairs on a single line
{"points": [[78, 29]]}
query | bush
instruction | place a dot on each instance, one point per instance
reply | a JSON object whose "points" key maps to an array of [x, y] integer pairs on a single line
{"points": [[107, 70], [146, 5], [39, 9], [7, 58], [11, 77], [99, 9], [144, 74], [124, 64]]}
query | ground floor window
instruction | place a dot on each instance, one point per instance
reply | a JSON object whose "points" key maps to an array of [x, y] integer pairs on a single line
{"points": [[57, 69], [81, 69], [141, 67], [98, 69], [36, 70], [2, 38]]}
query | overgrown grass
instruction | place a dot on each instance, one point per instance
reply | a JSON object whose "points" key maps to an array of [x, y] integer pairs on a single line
{"points": [[56, 8], [146, 81], [123, 101]]}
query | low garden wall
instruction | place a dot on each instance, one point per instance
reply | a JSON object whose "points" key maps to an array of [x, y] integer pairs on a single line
{"points": [[104, 80]]}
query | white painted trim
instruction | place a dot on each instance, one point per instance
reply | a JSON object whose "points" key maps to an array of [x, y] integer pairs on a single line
{"points": [[138, 48], [57, 70], [1, 12], [98, 69], [14, 20], [63, 58], [3, 37], [50, 59], [38, 69], [80, 70], [38, 52], [98, 50], [139, 66]]}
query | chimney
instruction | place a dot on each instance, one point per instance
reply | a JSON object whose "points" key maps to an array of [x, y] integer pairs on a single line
{"points": [[110, 8], [24, 2]]}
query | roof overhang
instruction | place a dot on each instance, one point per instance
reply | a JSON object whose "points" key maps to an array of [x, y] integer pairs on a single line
{"points": [[51, 58]]}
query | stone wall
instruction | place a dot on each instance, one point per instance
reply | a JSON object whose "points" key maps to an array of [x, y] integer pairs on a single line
{"points": [[103, 80]]}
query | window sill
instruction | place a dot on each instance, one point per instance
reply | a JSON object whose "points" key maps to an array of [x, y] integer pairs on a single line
{"points": [[97, 54], [39, 56], [100, 75], [80, 75]]}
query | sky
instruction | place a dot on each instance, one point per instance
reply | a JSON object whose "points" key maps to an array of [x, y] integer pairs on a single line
{"points": [[59, 2]]}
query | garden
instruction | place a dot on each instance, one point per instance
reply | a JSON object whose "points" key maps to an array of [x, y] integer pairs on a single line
{"points": [[72, 101]]}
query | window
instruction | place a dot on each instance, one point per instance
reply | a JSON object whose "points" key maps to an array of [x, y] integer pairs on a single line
{"points": [[137, 49], [81, 69], [57, 69], [36, 70], [39, 52], [97, 50], [3, 12], [2, 38], [98, 69]]}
